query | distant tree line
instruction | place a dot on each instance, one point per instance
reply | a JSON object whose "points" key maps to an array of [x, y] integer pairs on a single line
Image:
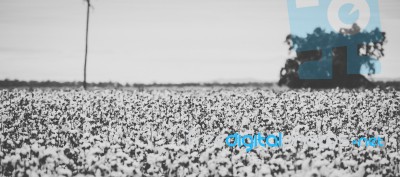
{"points": [[54, 84], [17, 83]]}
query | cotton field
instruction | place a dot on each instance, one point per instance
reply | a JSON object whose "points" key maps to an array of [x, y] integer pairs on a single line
{"points": [[182, 131]]}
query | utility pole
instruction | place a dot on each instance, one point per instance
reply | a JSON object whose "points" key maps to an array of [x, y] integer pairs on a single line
{"points": [[86, 48]]}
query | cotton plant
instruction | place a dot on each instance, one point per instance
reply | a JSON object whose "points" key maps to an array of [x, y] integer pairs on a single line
{"points": [[180, 132]]}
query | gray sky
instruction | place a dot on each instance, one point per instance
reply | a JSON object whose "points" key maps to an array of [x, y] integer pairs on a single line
{"points": [[148, 41]]}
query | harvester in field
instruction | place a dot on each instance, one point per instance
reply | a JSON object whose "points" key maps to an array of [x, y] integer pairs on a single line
{"points": [[333, 59]]}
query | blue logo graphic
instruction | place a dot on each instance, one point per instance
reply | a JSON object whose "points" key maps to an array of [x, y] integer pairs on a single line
{"points": [[338, 17], [250, 141], [369, 142]]}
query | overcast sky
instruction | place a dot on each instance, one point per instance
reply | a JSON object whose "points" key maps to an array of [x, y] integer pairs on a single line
{"points": [[146, 41]]}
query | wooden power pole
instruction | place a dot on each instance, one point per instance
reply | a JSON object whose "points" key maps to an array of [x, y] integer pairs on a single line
{"points": [[86, 48]]}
